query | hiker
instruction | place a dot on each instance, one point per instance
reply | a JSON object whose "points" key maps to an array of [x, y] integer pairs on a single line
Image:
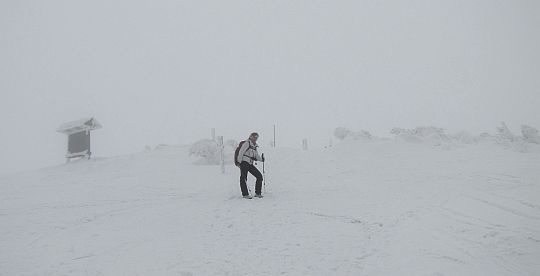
{"points": [[247, 154]]}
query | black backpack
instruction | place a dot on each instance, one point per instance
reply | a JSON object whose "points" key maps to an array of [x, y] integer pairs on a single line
{"points": [[236, 153]]}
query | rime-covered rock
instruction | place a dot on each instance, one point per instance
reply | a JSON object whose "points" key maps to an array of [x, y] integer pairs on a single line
{"points": [[464, 137], [428, 131], [342, 132], [504, 134], [428, 134], [208, 150], [360, 135], [530, 134]]}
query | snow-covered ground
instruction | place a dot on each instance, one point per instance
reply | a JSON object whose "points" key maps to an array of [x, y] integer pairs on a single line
{"points": [[382, 207]]}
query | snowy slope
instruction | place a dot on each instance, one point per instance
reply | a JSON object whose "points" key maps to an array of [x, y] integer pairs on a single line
{"points": [[360, 208]]}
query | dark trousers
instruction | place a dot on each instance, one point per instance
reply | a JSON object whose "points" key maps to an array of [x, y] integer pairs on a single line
{"points": [[245, 167]]}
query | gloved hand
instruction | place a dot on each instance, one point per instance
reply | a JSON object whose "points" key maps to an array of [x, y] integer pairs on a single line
{"points": [[262, 157]]}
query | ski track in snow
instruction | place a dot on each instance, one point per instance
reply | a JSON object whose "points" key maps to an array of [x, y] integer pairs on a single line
{"points": [[371, 208]]}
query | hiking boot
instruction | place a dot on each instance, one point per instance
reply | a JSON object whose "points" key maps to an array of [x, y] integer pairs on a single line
{"points": [[259, 196], [247, 197]]}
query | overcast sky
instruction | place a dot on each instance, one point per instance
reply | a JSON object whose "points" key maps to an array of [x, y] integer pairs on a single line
{"points": [[167, 71]]}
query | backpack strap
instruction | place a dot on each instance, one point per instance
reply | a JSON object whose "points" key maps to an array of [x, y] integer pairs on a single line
{"points": [[250, 147]]}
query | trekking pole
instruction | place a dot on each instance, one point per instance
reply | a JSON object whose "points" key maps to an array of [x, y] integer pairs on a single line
{"points": [[264, 177]]}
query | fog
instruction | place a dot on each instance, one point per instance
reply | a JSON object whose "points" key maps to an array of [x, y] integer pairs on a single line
{"points": [[167, 72]]}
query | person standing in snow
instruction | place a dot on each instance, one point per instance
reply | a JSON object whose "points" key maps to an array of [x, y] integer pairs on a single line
{"points": [[248, 154]]}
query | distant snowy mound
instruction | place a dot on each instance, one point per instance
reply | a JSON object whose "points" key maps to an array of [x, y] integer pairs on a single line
{"points": [[504, 137], [343, 133], [425, 134]]}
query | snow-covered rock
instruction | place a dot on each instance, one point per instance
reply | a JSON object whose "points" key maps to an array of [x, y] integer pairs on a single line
{"points": [[343, 133], [421, 131], [530, 134], [504, 135], [485, 137], [437, 139], [425, 131], [423, 134], [464, 137], [208, 150], [409, 137], [361, 135]]}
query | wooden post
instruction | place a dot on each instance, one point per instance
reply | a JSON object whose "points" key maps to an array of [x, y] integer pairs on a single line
{"points": [[222, 149], [274, 142]]}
